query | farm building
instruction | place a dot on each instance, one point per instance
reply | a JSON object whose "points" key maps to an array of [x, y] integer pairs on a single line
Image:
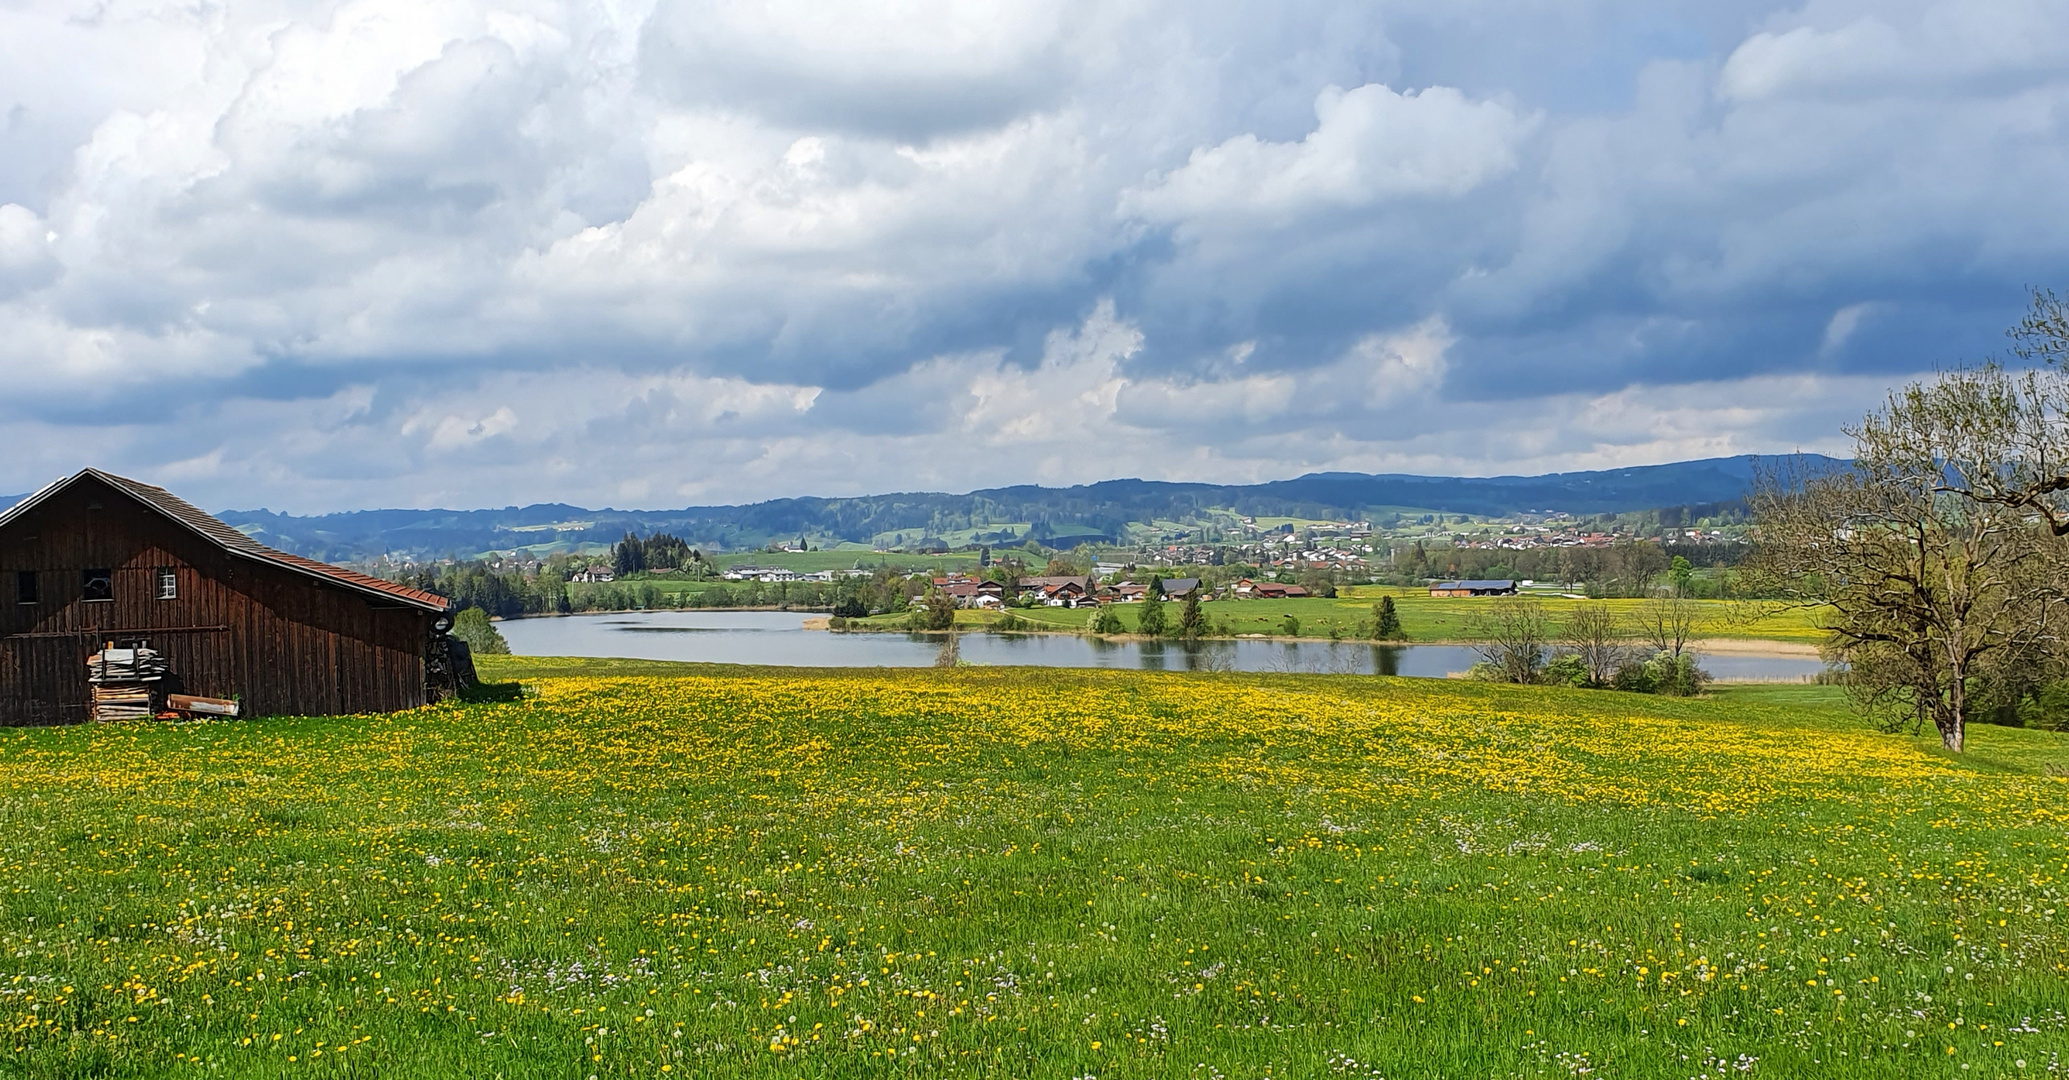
{"points": [[1247, 589], [1179, 588], [1473, 588], [96, 560]]}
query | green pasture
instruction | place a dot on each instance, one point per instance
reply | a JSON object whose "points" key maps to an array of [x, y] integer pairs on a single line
{"points": [[671, 870], [1440, 618], [1423, 618]]}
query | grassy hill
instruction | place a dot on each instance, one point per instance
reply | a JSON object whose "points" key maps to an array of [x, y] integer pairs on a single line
{"points": [[694, 871]]}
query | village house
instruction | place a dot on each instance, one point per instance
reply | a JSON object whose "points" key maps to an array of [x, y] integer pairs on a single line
{"points": [[970, 593], [746, 572], [1247, 589], [1037, 582], [102, 566], [1062, 591], [1180, 588], [598, 573]]}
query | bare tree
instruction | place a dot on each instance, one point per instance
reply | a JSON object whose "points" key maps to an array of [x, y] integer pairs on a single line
{"points": [[1668, 623], [1927, 573], [1595, 635], [2006, 433], [1511, 635]]}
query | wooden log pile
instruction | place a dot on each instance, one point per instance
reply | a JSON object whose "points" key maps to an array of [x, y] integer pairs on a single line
{"points": [[136, 684], [128, 684]]}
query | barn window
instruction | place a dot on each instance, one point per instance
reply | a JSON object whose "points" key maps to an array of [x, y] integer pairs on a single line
{"points": [[25, 586], [97, 584], [168, 584]]}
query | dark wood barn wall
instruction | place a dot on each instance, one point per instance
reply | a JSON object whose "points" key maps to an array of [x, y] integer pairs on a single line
{"points": [[281, 642]]}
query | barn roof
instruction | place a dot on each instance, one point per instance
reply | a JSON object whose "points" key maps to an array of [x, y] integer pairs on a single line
{"points": [[223, 536]]}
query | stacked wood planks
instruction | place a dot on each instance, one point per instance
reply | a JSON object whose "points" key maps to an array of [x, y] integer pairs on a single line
{"points": [[126, 682]]}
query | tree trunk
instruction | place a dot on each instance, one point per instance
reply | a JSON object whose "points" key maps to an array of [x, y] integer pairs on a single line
{"points": [[1954, 715]]}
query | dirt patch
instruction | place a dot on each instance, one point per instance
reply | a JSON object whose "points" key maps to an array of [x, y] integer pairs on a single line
{"points": [[1750, 647]]}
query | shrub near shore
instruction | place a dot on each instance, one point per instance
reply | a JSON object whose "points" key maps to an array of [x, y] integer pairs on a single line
{"points": [[1030, 872]]}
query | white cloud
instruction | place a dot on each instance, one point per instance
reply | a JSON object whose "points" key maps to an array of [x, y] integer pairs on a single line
{"points": [[372, 252], [1850, 48], [592, 436], [1370, 143], [1071, 396], [25, 258], [1806, 58]]}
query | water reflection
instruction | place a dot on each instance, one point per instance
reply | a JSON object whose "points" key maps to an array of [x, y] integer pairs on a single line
{"points": [[775, 637]]}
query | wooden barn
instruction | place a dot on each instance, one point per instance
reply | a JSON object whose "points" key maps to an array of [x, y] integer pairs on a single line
{"points": [[96, 560]]}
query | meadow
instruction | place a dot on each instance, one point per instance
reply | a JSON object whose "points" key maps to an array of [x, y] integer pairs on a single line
{"points": [[673, 870], [1424, 618]]}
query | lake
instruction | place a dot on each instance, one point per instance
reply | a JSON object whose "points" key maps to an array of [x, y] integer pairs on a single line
{"points": [[779, 637]]}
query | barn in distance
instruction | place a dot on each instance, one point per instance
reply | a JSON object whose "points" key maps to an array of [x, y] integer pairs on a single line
{"points": [[96, 560]]}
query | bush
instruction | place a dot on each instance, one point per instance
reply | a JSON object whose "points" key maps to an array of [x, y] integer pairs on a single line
{"points": [[2048, 708], [1290, 626], [1107, 621], [1663, 673], [1679, 676], [1513, 634], [851, 608], [1566, 669], [473, 627], [1486, 672]]}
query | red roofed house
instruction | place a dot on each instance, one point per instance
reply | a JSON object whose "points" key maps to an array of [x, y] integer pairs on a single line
{"points": [[970, 593], [1062, 591], [95, 559]]}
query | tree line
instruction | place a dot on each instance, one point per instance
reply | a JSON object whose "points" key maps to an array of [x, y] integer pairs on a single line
{"points": [[658, 551], [544, 591], [1519, 640], [1627, 568]]}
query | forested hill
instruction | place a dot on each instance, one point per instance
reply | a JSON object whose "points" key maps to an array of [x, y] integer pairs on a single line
{"points": [[1112, 509]]}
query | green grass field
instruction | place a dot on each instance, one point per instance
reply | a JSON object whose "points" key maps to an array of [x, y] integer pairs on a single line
{"points": [[1423, 617], [679, 870]]}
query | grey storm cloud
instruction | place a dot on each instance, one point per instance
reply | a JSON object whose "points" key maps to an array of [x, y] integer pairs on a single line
{"points": [[372, 252]]}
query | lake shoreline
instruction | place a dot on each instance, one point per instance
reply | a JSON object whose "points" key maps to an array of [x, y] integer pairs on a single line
{"points": [[1758, 648]]}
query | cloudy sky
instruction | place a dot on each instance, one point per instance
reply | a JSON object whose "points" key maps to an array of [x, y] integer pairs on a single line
{"points": [[659, 252]]}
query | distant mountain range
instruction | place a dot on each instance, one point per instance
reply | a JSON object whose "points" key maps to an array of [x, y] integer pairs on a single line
{"points": [[1112, 510]]}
